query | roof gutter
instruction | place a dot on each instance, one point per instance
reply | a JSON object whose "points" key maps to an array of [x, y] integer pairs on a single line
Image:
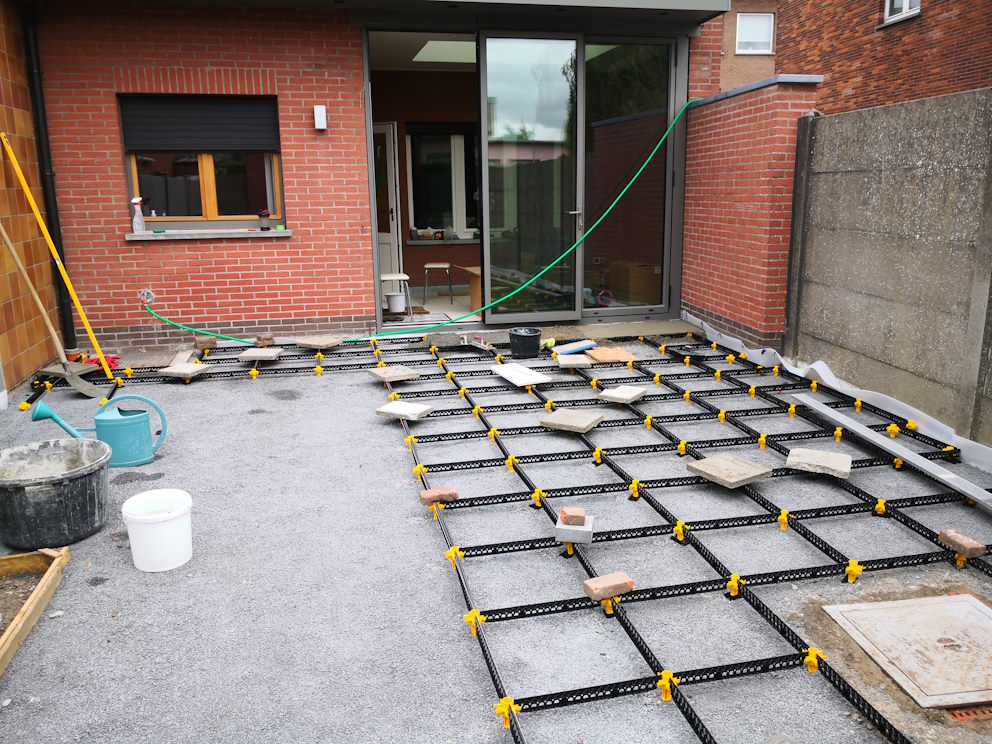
{"points": [[30, 28]]}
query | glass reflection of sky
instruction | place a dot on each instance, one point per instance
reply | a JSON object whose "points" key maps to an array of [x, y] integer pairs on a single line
{"points": [[526, 80]]}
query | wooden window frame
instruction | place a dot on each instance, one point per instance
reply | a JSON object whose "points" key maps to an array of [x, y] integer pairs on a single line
{"points": [[208, 192]]}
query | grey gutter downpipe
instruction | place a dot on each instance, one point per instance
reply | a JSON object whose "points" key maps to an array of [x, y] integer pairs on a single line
{"points": [[47, 174]]}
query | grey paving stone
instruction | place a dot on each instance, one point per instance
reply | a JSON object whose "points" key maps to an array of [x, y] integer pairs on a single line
{"points": [[319, 342], [401, 409], [572, 419], [258, 354], [836, 464], [185, 371], [574, 361], [519, 375], [623, 394], [394, 373], [730, 471]]}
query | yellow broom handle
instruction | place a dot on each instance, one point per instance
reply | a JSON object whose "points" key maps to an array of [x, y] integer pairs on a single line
{"points": [[55, 254]]}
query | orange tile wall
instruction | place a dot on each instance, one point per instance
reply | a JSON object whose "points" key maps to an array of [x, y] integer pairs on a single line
{"points": [[24, 342]]}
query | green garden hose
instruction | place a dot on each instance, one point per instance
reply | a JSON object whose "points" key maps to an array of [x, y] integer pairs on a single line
{"points": [[538, 275]]}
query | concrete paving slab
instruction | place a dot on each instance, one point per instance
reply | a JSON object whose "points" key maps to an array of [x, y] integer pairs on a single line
{"points": [[57, 370], [185, 371], [401, 409], [572, 419], [519, 375], [260, 354], [624, 393], [319, 343], [575, 533], [936, 648], [816, 461], [394, 373], [730, 471], [185, 356], [610, 354], [574, 361]]}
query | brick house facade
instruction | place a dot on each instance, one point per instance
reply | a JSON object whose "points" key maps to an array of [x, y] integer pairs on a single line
{"points": [[945, 48]]}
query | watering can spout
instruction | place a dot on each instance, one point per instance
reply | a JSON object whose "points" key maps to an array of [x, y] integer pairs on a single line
{"points": [[42, 411]]}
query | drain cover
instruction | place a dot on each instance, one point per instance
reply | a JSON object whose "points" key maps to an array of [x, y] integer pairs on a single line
{"points": [[936, 648]]}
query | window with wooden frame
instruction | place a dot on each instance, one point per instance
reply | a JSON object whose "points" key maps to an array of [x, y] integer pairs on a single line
{"points": [[201, 158]]}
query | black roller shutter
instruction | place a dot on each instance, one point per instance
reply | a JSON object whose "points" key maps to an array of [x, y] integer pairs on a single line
{"points": [[199, 123]]}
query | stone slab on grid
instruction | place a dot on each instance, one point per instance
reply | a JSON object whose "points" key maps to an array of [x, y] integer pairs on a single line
{"points": [[936, 648], [836, 464], [319, 343], [573, 419], [258, 354], [574, 361], [185, 356], [185, 371], [518, 374], [395, 373], [624, 393], [75, 368], [610, 354], [401, 409], [730, 471]]}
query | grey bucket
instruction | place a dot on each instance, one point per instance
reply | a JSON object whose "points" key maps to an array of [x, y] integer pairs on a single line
{"points": [[53, 493]]}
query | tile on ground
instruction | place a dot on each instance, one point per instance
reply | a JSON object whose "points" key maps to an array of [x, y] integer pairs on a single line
{"points": [[865, 536], [562, 652], [707, 501], [569, 473], [761, 549], [577, 419], [703, 630], [650, 561], [728, 470], [613, 511], [795, 492], [793, 702], [611, 721], [526, 577], [846, 446]]}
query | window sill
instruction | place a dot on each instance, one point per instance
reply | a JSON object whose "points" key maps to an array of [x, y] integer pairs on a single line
{"points": [[894, 21], [207, 235], [456, 241], [755, 54]]}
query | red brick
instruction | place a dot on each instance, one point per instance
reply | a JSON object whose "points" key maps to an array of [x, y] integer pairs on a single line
{"points": [[611, 585], [438, 495], [573, 515]]}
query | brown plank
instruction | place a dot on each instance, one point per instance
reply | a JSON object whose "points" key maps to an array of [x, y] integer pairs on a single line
{"points": [[24, 620]]}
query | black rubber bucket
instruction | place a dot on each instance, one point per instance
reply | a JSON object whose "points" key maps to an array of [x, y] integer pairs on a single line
{"points": [[53, 493], [525, 343]]}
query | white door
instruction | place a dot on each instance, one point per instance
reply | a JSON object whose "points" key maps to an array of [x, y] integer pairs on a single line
{"points": [[387, 201]]}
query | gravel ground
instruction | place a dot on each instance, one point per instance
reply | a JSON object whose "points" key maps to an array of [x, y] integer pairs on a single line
{"points": [[319, 607]]}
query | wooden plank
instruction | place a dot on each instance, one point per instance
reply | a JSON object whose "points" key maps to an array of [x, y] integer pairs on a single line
{"points": [[53, 563]]}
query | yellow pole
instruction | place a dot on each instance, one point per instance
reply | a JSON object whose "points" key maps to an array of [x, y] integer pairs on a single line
{"points": [[55, 254]]}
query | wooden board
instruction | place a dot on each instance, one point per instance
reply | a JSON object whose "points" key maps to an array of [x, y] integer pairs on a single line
{"points": [[52, 562]]}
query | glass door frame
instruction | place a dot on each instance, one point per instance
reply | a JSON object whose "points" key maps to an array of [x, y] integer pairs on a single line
{"points": [[490, 318], [674, 186]]}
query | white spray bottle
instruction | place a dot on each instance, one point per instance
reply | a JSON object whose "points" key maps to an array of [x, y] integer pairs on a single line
{"points": [[138, 221]]}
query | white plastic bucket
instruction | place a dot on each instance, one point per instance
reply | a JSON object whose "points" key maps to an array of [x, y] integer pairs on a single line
{"points": [[395, 302], [160, 528]]}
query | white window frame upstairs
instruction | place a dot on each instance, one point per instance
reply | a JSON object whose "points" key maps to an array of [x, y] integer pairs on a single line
{"points": [[906, 12], [771, 40]]}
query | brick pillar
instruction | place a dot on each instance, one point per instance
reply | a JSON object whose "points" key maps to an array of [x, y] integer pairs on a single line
{"points": [[740, 158], [704, 59]]}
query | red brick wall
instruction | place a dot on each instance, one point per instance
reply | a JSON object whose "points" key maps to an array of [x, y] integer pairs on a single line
{"points": [[322, 275], [704, 59], [25, 345], [740, 69], [947, 48], [740, 158]]}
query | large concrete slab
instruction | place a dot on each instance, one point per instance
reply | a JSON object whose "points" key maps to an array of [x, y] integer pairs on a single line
{"points": [[394, 373], [574, 361], [185, 371], [730, 471], [936, 648], [260, 354], [318, 343], [573, 419], [401, 409], [623, 394], [836, 464], [519, 375]]}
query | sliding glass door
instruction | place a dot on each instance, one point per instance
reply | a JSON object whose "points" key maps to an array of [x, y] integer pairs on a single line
{"points": [[532, 143]]}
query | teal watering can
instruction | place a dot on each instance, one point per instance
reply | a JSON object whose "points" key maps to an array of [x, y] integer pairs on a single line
{"points": [[128, 433]]}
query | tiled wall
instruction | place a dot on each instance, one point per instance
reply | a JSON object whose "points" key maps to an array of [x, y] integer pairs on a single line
{"points": [[24, 342]]}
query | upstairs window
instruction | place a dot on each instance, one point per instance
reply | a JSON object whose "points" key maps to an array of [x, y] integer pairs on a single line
{"points": [[755, 33], [200, 158], [442, 177], [898, 9]]}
